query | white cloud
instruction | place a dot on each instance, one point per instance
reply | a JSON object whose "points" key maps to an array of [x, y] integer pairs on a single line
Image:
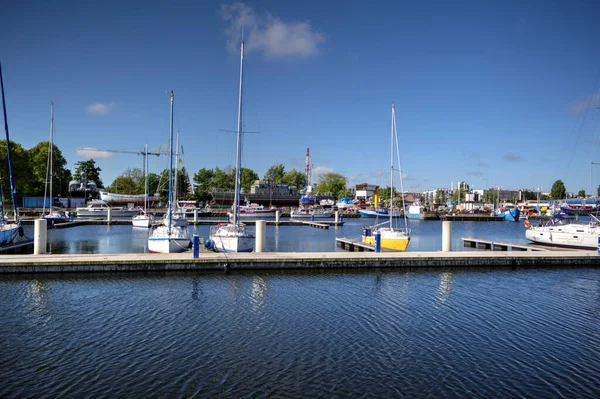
{"points": [[318, 171], [99, 108], [90, 152], [268, 34]]}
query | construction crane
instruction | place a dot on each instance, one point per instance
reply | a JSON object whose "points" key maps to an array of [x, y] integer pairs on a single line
{"points": [[142, 152]]}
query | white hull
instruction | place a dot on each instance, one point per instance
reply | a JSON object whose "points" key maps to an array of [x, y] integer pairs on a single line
{"points": [[111, 198], [160, 241], [8, 232], [103, 213], [317, 214], [256, 215], [231, 238], [571, 235], [142, 221]]}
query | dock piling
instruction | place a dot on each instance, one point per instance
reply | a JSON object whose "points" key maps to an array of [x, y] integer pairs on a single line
{"points": [[40, 230], [378, 242], [196, 245], [337, 217], [109, 216], [261, 237], [446, 236], [195, 216], [277, 216]]}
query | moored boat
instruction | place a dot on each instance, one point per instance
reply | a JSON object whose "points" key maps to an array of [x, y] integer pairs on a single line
{"points": [[99, 208], [562, 231], [509, 212]]}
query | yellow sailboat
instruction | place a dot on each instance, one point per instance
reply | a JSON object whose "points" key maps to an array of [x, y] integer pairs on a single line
{"points": [[390, 237]]}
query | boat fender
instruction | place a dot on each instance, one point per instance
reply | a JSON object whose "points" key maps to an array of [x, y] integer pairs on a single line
{"points": [[209, 244], [21, 232], [527, 223]]}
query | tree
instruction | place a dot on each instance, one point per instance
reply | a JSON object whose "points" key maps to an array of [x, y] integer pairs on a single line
{"points": [[558, 190], [203, 181], [385, 195], [294, 178], [529, 195], [332, 183], [38, 164], [581, 194], [440, 198], [274, 174], [129, 182], [247, 177], [462, 189], [90, 171], [21, 174]]}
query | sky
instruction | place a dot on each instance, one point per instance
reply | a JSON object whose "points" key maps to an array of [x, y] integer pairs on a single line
{"points": [[497, 94]]}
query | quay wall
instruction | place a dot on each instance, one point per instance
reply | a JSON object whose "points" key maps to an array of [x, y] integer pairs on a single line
{"points": [[294, 261]]}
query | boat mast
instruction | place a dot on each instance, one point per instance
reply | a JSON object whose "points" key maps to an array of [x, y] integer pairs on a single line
{"points": [[146, 199], [399, 169], [238, 150], [169, 212], [51, 151], [393, 125], [10, 168], [308, 171], [176, 177]]}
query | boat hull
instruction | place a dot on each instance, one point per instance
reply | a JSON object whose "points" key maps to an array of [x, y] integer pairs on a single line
{"points": [[394, 240], [369, 213], [231, 238], [511, 215], [316, 214], [166, 245], [8, 233], [583, 237], [104, 213], [142, 221], [123, 199]]}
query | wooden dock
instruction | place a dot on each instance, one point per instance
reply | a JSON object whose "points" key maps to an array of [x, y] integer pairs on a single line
{"points": [[507, 246], [143, 263], [357, 246]]}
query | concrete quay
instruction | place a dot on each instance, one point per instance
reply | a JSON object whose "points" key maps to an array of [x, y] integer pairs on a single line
{"points": [[296, 261]]}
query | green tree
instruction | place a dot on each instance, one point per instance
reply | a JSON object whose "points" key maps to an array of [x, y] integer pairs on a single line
{"points": [[223, 179], [294, 178], [462, 189], [38, 164], [332, 183], [21, 174], [598, 191], [247, 177], [274, 174], [203, 180], [529, 195], [89, 170], [440, 198], [385, 195], [129, 182], [558, 190], [581, 194]]}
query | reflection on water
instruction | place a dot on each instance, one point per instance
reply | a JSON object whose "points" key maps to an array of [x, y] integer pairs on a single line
{"points": [[531, 333]]}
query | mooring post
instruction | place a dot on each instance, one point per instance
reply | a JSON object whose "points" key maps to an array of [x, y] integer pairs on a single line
{"points": [[109, 215], [598, 245], [40, 229], [196, 245], [446, 236], [378, 242], [261, 237], [195, 216], [277, 215], [337, 217]]}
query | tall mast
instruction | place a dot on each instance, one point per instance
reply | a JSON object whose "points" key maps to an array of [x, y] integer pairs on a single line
{"points": [[307, 170], [10, 167], [176, 177], [391, 211], [238, 149], [51, 151], [146, 199], [169, 212]]}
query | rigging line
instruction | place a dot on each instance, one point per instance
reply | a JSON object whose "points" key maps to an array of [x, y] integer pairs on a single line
{"points": [[580, 130]]}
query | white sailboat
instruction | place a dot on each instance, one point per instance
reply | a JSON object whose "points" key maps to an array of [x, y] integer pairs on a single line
{"points": [[53, 215], [8, 228], [393, 238], [169, 238], [179, 217], [144, 220], [234, 236]]}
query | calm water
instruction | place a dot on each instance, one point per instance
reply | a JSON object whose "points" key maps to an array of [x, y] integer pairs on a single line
{"points": [[425, 236], [376, 333], [381, 333]]}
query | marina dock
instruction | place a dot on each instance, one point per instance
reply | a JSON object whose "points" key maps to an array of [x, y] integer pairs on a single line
{"points": [[472, 217], [507, 246], [324, 224], [296, 261]]}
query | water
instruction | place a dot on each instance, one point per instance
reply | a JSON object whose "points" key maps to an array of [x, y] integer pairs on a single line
{"points": [[377, 333], [425, 236]]}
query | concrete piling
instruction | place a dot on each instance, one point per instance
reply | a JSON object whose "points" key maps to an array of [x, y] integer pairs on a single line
{"points": [[261, 236], [446, 236], [109, 215], [277, 216], [195, 216], [40, 231], [337, 217]]}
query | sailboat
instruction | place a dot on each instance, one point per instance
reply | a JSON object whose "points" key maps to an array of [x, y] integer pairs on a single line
{"points": [[179, 218], [233, 236], [8, 228], [53, 215], [144, 220], [393, 238], [169, 238]]}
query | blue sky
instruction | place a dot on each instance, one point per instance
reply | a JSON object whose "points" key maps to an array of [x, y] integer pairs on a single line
{"points": [[496, 94]]}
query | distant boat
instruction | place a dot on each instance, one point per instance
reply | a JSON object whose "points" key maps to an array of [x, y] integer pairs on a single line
{"points": [[123, 199], [378, 213], [234, 236], [144, 220], [509, 212], [169, 238], [53, 215], [8, 228], [99, 208], [415, 212], [83, 188], [563, 231], [254, 211], [394, 238], [308, 205]]}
